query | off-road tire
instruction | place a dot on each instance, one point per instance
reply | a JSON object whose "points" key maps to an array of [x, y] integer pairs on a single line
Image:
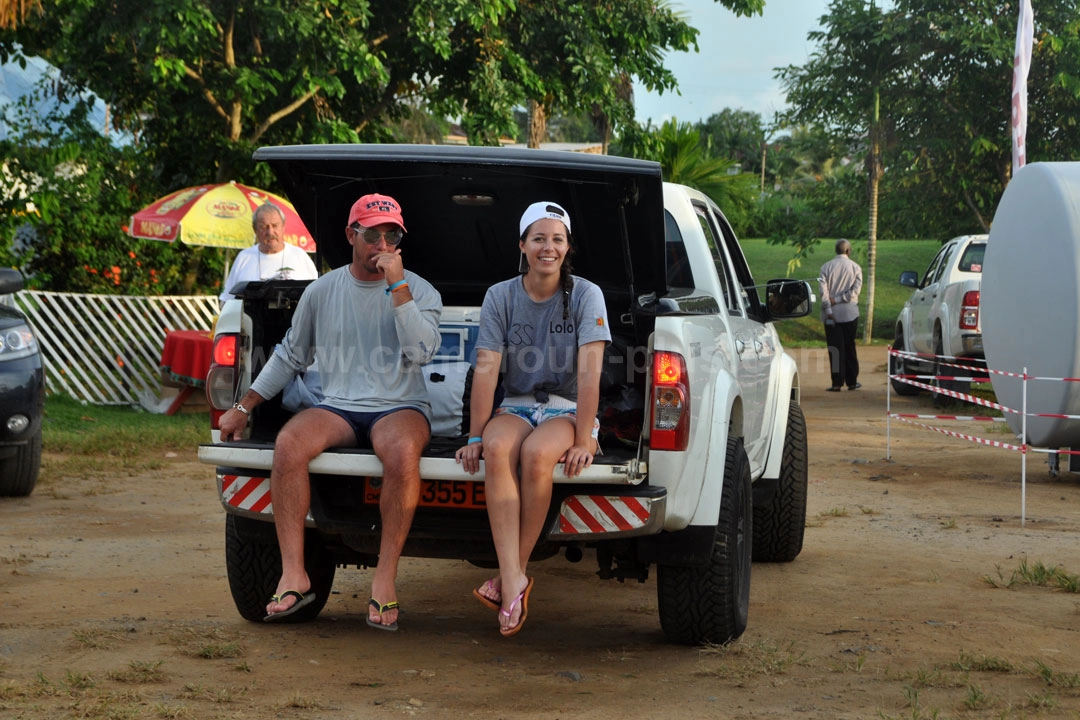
{"points": [[780, 524], [253, 564], [19, 473], [898, 366], [709, 604], [961, 386]]}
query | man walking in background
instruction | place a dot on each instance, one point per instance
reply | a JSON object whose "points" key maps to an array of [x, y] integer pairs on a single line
{"points": [[840, 283]]}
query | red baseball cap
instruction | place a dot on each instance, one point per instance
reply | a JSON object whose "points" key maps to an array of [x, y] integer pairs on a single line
{"points": [[375, 209]]}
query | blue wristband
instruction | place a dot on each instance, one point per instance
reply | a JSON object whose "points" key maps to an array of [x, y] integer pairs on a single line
{"points": [[395, 286], [475, 440]]}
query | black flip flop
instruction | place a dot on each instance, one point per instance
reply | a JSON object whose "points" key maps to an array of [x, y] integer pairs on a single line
{"points": [[301, 601], [392, 605]]}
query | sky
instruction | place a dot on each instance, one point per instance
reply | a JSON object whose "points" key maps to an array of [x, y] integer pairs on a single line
{"points": [[735, 65]]}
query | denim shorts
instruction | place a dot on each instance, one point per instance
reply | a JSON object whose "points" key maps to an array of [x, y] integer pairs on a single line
{"points": [[528, 409], [362, 422]]}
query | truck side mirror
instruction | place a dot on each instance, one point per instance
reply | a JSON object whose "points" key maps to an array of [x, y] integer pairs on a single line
{"points": [[787, 299], [909, 278], [11, 281]]}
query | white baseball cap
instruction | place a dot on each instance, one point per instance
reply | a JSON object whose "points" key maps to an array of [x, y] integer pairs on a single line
{"points": [[541, 210]]}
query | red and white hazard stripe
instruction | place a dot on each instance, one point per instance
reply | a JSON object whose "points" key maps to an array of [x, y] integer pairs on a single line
{"points": [[943, 360], [972, 438], [247, 493], [974, 418], [597, 514]]}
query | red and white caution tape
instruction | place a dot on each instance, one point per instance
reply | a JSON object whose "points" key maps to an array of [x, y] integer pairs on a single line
{"points": [[973, 418], [971, 438], [943, 360], [906, 379]]}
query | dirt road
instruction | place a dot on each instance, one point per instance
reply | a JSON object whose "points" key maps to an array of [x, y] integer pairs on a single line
{"points": [[910, 600]]}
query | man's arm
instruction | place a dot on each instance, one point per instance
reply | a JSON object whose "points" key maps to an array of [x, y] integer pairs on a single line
{"points": [[857, 287], [416, 313], [823, 286], [234, 420]]}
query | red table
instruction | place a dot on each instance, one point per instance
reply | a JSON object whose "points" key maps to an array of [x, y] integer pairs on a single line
{"points": [[185, 360]]}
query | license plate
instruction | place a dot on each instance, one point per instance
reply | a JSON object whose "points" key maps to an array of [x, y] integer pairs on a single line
{"points": [[436, 493]]}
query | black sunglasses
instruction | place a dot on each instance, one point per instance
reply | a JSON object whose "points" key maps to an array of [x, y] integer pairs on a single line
{"points": [[371, 235]]}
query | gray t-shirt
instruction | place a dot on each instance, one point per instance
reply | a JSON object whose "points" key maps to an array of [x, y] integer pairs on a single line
{"points": [[369, 351], [539, 347]]}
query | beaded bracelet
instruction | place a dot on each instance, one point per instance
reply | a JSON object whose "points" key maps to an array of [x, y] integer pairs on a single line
{"points": [[395, 286], [475, 440]]}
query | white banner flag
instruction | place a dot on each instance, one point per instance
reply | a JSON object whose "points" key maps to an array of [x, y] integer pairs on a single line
{"points": [[1025, 33]]}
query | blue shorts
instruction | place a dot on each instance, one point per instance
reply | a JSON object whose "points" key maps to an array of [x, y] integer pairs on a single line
{"points": [[528, 409], [362, 422]]}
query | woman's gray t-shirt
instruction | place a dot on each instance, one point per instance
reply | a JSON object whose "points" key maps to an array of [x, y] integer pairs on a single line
{"points": [[538, 345]]}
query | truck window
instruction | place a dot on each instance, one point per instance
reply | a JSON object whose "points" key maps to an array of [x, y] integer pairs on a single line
{"points": [[946, 255], [972, 259], [931, 269], [679, 274], [740, 269], [731, 300]]}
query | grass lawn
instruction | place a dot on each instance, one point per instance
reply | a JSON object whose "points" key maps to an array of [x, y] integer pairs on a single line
{"points": [[893, 256], [110, 441]]}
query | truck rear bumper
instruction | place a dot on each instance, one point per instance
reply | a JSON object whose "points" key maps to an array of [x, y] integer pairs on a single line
{"points": [[972, 345], [341, 506]]}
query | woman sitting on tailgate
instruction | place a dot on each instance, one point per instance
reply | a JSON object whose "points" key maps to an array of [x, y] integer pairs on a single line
{"points": [[546, 329]]}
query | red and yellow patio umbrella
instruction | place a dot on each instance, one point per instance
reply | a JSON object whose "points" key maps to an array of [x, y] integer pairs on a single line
{"points": [[215, 216]]}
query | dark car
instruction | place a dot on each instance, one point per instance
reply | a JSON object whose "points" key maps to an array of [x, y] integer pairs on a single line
{"points": [[22, 395]]}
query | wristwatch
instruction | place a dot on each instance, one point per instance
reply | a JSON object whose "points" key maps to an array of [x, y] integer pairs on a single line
{"points": [[241, 408]]}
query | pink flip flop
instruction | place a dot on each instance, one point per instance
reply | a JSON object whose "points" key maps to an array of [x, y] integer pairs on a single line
{"points": [[488, 602], [523, 598]]}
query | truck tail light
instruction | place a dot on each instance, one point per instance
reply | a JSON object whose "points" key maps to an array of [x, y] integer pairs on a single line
{"points": [[222, 377], [969, 311], [671, 402]]}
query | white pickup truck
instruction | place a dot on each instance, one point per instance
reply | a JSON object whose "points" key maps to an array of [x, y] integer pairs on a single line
{"points": [[941, 318], [704, 462]]}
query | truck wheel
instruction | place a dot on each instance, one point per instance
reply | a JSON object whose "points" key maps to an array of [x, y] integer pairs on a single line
{"points": [[940, 399], [780, 524], [897, 366], [19, 473], [709, 604], [253, 564]]}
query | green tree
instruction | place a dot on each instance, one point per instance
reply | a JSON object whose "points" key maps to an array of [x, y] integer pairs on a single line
{"points": [[859, 66], [684, 159], [200, 85], [205, 83], [582, 57], [573, 128], [66, 193], [954, 132], [736, 134]]}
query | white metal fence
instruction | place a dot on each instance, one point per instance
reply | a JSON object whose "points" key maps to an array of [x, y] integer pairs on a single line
{"points": [[105, 349]]}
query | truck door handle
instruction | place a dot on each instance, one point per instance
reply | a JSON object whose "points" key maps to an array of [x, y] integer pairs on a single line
{"points": [[740, 346], [758, 347]]}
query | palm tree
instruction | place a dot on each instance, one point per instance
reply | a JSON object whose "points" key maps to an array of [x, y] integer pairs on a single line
{"points": [[685, 160]]}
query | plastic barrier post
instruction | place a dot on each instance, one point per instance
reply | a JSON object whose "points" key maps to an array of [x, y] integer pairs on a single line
{"points": [[888, 405], [1023, 453]]}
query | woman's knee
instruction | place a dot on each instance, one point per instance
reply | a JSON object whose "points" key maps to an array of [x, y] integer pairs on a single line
{"points": [[500, 446], [537, 462]]}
